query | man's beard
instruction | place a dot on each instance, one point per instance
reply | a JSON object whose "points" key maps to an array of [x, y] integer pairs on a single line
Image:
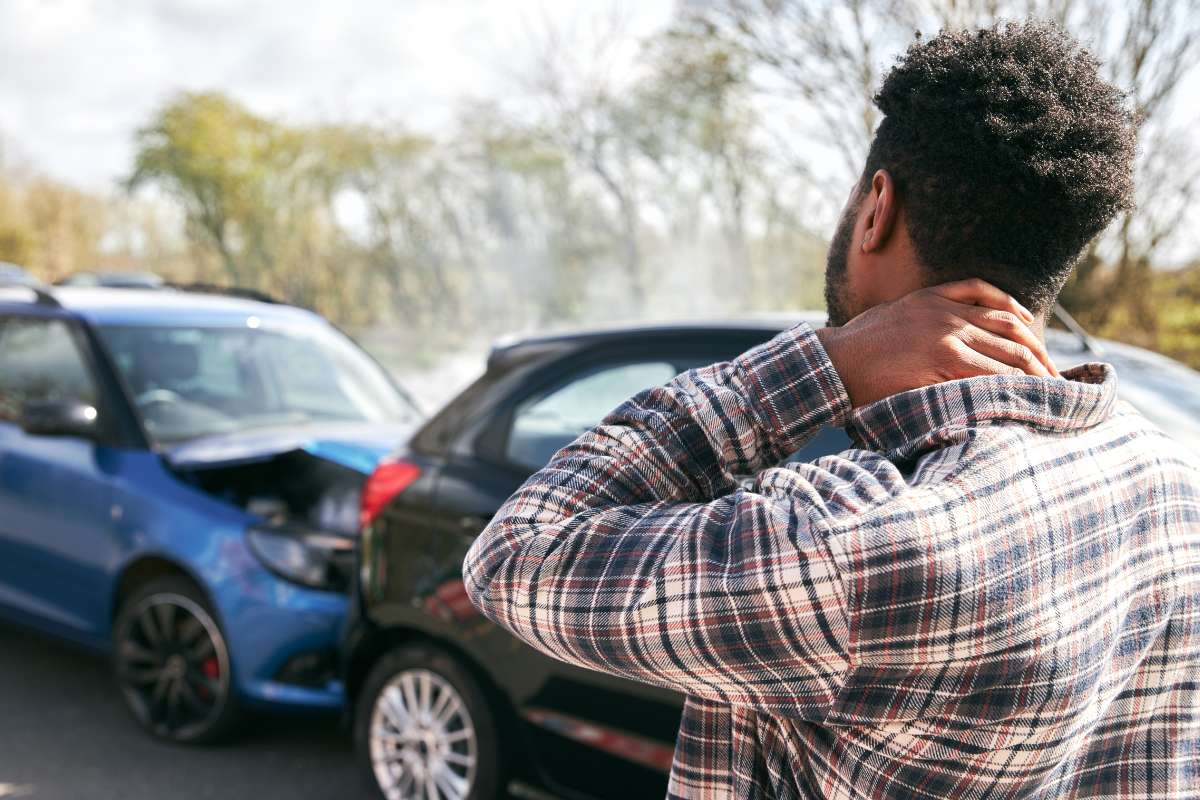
{"points": [[837, 284]]}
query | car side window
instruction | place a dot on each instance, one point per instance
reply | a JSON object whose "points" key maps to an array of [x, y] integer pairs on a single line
{"points": [[544, 424], [40, 361]]}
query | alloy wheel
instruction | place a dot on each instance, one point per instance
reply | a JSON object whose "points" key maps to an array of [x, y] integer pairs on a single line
{"points": [[422, 740], [173, 666]]}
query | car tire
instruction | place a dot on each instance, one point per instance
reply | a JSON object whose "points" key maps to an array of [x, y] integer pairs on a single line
{"points": [[452, 739], [172, 663]]}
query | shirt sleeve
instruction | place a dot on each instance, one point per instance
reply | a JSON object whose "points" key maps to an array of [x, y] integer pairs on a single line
{"points": [[635, 552]]}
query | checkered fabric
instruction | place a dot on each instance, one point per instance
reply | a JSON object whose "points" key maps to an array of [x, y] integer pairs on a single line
{"points": [[997, 596]]}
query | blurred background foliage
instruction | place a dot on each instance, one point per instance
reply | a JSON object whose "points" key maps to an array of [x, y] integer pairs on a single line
{"points": [[696, 172]]}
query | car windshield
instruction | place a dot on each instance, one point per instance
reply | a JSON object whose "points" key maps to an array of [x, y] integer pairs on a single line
{"points": [[1168, 394], [189, 382]]}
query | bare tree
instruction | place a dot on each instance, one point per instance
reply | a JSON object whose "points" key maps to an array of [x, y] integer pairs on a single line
{"points": [[829, 56], [826, 55], [1154, 46], [573, 79]]}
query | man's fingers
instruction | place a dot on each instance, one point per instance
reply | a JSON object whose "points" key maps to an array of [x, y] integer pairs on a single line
{"points": [[978, 292], [1009, 326], [1006, 351], [976, 364]]}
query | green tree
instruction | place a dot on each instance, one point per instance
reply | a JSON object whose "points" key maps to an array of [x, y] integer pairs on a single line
{"points": [[824, 59], [17, 238], [234, 173]]}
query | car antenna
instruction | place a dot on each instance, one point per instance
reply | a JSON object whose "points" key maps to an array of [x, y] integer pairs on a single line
{"points": [[1089, 344]]}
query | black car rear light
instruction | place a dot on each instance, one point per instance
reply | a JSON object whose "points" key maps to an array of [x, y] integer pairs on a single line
{"points": [[389, 479]]}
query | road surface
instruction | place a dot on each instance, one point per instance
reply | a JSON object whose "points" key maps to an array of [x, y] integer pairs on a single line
{"points": [[65, 735]]}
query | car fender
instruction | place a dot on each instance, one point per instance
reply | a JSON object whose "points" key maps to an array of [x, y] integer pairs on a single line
{"points": [[157, 516], [461, 635]]}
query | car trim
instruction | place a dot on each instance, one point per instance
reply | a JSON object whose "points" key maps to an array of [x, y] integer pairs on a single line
{"points": [[629, 746]]}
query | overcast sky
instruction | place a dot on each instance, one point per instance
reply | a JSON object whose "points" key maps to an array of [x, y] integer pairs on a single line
{"points": [[78, 77]]}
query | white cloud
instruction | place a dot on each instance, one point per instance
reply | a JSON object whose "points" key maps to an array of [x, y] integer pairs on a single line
{"points": [[77, 77]]}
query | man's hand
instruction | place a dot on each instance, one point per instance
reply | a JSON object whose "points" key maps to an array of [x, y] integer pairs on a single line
{"points": [[942, 333]]}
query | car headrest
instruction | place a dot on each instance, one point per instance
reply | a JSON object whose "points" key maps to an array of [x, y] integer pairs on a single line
{"points": [[160, 361]]}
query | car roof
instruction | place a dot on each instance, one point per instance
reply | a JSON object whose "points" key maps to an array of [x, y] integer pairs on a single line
{"points": [[510, 350], [15, 274], [1065, 347], [123, 280], [127, 306]]}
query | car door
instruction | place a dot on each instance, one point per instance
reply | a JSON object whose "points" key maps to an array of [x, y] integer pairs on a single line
{"points": [[55, 496], [580, 730]]}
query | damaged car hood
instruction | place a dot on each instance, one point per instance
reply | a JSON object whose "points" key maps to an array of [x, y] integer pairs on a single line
{"points": [[358, 446]]}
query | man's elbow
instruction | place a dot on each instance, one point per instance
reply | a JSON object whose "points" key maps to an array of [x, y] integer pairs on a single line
{"points": [[485, 558], [475, 577]]}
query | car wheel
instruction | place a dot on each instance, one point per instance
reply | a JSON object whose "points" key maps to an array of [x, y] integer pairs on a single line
{"points": [[172, 663], [424, 729]]}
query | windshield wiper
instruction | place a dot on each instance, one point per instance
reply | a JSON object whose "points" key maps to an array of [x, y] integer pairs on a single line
{"points": [[1089, 344]]}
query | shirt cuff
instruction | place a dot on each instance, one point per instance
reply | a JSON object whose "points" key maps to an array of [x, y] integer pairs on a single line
{"points": [[794, 388]]}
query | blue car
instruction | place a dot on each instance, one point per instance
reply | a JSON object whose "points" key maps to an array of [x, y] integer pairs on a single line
{"points": [[179, 485]]}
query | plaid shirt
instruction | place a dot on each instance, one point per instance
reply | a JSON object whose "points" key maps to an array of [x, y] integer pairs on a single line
{"points": [[998, 596]]}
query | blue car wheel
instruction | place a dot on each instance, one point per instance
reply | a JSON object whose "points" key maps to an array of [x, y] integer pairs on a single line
{"points": [[172, 662]]}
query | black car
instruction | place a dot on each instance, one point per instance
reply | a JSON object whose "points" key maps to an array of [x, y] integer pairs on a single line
{"points": [[442, 696]]}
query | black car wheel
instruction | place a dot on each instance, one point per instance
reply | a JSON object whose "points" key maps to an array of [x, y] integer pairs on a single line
{"points": [[424, 729], [172, 664]]}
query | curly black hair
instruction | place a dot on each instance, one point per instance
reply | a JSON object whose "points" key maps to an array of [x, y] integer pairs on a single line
{"points": [[1009, 154]]}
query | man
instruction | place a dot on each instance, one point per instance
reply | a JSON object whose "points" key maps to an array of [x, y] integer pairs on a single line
{"points": [[998, 594]]}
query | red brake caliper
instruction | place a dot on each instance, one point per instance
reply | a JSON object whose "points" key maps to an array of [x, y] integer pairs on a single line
{"points": [[211, 669]]}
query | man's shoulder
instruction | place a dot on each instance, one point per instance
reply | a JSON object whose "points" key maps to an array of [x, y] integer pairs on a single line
{"points": [[1145, 439], [1124, 437], [976, 469], [1125, 447]]}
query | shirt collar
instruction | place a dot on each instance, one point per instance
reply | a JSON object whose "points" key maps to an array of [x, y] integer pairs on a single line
{"points": [[910, 423]]}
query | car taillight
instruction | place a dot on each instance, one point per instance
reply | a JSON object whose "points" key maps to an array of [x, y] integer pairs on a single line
{"points": [[389, 479]]}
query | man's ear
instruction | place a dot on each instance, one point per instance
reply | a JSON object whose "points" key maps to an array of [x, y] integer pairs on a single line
{"points": [[881, 215]]}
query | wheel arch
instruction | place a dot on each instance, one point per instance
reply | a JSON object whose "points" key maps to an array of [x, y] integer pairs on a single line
{"points": [[146, 568]]}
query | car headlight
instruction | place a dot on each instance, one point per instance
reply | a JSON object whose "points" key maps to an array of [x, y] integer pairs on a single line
{"points": [[315, 559]]}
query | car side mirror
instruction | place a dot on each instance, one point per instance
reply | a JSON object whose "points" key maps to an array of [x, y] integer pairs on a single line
{"points": [[59, 418]]}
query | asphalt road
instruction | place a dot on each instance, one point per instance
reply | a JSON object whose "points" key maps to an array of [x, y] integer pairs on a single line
{"points": [[65, 735]]}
